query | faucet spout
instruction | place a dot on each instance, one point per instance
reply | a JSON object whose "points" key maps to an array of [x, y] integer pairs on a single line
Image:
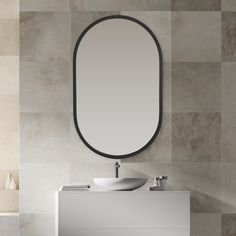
{"points": [[117, 169]]}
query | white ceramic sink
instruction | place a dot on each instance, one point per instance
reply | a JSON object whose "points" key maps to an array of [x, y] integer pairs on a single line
{"points": [[120, 184]]}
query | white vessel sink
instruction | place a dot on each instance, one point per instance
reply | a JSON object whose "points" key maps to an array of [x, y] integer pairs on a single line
{"points": [[120, 184]]}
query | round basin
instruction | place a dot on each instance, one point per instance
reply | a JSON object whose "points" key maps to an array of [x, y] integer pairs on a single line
{"points": [[120, 184]]}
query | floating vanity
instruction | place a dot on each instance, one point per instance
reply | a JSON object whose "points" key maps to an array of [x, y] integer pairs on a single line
{"points": [[125, 213]]}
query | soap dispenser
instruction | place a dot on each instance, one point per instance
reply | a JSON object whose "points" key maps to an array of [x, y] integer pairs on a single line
{"points": [[12, 185], [8, 181]]}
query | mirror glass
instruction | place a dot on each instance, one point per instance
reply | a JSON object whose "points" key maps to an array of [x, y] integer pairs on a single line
{"points": [[117, 86]]}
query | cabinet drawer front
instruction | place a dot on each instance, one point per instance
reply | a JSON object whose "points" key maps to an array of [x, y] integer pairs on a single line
{"points": [[123, 210], [123, 232]]}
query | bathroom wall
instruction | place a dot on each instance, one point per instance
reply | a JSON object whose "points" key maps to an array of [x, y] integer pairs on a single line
{"points": [[9, 101], [195, 147], [9, 114]]}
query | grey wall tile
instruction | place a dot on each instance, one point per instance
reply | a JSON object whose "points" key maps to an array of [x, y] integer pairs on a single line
{"points": [[228, 187], [228, 130], [37, 224], [205, 225], [193, 5], [44, 5], [228, 5], [160, 149], [167, 84], [94, 5], [9, 39], [196, 137], [196, 87], [45, 137], [80, 20], [9, 225], [160, 24], [120, 5], [228, 36], [203, 182], [228, 224], [228, 87], [46, 87], [44, 36], [148, 5], [38, 183], [196, 36]]}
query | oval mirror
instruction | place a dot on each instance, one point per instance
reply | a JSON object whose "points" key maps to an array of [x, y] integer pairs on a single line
{"points": [[117, 68]]}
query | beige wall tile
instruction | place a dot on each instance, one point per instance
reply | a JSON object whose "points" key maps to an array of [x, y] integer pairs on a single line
{"points": [[9, 150], [9, 200], [9, 75], [9, 37], [9, 113], [9, 120], [9, 9]]}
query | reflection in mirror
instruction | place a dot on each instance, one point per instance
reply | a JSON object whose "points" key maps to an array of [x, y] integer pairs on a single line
{"points": [[117, 86]]}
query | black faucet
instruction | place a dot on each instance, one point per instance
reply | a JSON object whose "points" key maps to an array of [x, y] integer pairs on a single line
{"points": [[117, 169]]}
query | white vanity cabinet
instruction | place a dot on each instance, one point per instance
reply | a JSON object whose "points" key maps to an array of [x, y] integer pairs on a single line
{"points": [[137, 213]]}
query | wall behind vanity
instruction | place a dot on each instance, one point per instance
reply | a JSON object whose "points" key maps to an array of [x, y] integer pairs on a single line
{"points": [[196, 145]]}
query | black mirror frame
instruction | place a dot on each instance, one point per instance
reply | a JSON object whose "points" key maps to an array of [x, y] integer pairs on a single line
{"points": [[160, 86]]}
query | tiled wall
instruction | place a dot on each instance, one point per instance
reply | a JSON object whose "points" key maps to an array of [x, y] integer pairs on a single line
{"points": [[196, 145], [9, 114], [9, 101]]}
